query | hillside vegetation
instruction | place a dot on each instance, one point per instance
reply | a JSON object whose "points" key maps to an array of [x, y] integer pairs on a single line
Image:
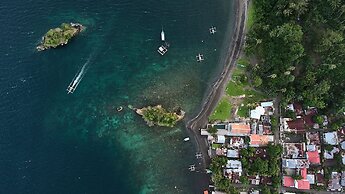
{"points": [[299, 51]]}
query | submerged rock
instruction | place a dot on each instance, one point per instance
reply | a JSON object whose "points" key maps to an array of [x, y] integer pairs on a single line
{"points": [[157, 115], [59, 36]]}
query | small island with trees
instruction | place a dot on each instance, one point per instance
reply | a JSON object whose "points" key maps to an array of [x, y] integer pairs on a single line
{"points": [[60, 36], [157, 115]]}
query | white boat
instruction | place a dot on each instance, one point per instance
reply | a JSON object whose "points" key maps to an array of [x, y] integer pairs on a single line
{"points": [[186, 139], [162, 35]]}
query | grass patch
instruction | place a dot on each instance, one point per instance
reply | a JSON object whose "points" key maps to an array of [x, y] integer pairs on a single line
{"points": [[215, 146], [234, 89], [243, 111], [251, 15], [242, 63], [222, 111]]}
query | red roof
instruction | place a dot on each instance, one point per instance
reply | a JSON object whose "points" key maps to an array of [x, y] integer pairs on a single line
{"points": [[259, 139], [206, 192], [313, 157], [298, 108], [288, 181], [297, 124], [308, 119], [304, 173], [303, 184], [239, 128]]}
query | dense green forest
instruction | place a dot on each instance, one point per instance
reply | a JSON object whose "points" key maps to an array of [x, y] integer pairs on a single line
{"points": [[297, 49]]}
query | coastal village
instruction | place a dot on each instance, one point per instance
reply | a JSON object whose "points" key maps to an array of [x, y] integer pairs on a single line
{"points": [[256, 145], [259, 143], [310, 154]]}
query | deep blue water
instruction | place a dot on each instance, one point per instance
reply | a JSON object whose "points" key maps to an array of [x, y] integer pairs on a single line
{"points": [[51, 142]]}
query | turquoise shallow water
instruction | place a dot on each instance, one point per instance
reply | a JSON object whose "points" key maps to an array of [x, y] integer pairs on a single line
{"points": [[52, 142]]}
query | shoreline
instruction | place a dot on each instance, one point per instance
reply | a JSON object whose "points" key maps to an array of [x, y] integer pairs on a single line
{"points": [[218, 87]]}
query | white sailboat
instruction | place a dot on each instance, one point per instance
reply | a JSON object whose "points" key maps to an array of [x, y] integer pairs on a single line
{"points": [[162, 35]]}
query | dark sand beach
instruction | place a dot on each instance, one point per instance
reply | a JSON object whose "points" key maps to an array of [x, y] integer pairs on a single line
{"points": [[233, 50]]}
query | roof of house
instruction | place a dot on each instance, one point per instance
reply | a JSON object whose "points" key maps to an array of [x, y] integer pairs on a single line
{"points": [[239, 128], [313, 138], [260, 140], [334, 183], [234, 164], [313, 157], [220, 139], [297, 124], [331, 138], [232, 154], [342, 145], [311, 148], [295, 163], [320, 178], [303, 184], [236, 141], [257, 112], [311, 178], [288, 181], [266, 104], [304, 173], [342, 181]]}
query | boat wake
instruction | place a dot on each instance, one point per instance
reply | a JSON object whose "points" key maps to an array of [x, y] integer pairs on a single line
{"points": [[79, 76]]}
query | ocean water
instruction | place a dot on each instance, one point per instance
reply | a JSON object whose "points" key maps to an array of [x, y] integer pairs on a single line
{"points": [[54, 142]]}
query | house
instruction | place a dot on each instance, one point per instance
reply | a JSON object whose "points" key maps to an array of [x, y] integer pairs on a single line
{"points": [[229, 129], [232, 153], [342, 145], [295, 163], [295, 107], [260, 140], [341, 134], [288, 181], [221, 151], [268, 106], [330, 154], [302, 184], [239, 129], [296, 125], [342, 181], [313, 157], [257, 112], [235, 165], [220, 139], [311, 178], [334, 182], [313, 138], [254, 180], [331, 138], [320, 179], [233, 170], [236, 142], [294, 150]]}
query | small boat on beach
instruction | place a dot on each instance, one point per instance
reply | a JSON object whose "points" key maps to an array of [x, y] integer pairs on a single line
{"points": [[186, 139]]}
